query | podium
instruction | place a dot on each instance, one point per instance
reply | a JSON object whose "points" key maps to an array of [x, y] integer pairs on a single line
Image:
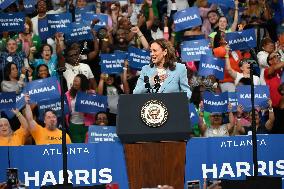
{"points": [[154, 128]]}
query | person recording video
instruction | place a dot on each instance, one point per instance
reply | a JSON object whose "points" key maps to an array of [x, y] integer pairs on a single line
{"points": [[163, 74]]}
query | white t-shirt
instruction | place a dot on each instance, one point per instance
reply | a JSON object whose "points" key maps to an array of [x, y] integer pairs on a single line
{"points": [[72, 71], [262, 61], [256, 79]]}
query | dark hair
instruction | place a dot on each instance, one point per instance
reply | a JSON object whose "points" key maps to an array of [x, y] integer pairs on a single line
{"points": [[213, 11], [269, 58], [48, 5], [196, 96], [217, 39], [49, 110], [7, 70], [116, 84], [266, 41], [245, 81], [84, 85], [44, 45], [37, 70], [223, 17], [100, 112], [170, 57]]}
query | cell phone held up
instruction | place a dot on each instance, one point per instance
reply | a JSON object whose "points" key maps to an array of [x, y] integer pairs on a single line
{"points": [[193, 184], [12, 178]]}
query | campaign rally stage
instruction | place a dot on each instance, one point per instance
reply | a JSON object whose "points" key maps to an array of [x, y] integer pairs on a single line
{"points": [[103, 161]]}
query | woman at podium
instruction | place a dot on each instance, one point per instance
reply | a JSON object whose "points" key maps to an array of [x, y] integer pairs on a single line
{"points": [[163, 74]]}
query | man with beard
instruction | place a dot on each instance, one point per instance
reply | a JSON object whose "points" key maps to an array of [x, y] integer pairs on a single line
{"points": [[49, 134]]}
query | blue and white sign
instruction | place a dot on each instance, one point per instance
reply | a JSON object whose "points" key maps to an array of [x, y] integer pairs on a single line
{"points": [[112, 63], [215, 103], [20, 103], [261, 96], [223, 3], [5, 3], [192, 50], [103, 19], [231, 157], [7, 100], [233, 99], [98, 134], [29, 6], [193, 115], [187, 18], [90, 103], [210, 65], [54, 105], [12, 22], [59, 22], [80, 11], [43, 29], [88, 164], [138, 58], [43, 89], [79, 32], [242, 40]]}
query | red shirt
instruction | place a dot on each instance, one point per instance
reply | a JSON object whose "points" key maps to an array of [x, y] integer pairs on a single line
{"points": [[273, 81]]}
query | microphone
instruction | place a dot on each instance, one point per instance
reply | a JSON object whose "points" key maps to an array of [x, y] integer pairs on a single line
{"points": [[157, 83], [147, 84]]}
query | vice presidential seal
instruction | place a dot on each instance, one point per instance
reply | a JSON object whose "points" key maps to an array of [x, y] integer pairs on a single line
{"points": [[154, 113]]}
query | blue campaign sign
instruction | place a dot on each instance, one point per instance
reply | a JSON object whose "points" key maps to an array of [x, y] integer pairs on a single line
{"points": [[102, 17], [20, 103], [79, 31], [194, 118], [233, 99], [88, 164], [215, 103], [231, 157], [187, 18], [43, 89], [261, 95], [90, 103], [111, 63], [210, 65], [223, 3], [242, 40], [12, 22], [59, 22], [29, 6], [102, 134], [43, 29], [4, 150], [282, 77], [138, 58], [87, 9], [5, 3], [192, 50], [55, 105], [7, 100]]}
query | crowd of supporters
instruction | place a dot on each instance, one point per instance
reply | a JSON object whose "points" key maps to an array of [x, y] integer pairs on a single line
{"points": [[26, 57]]}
